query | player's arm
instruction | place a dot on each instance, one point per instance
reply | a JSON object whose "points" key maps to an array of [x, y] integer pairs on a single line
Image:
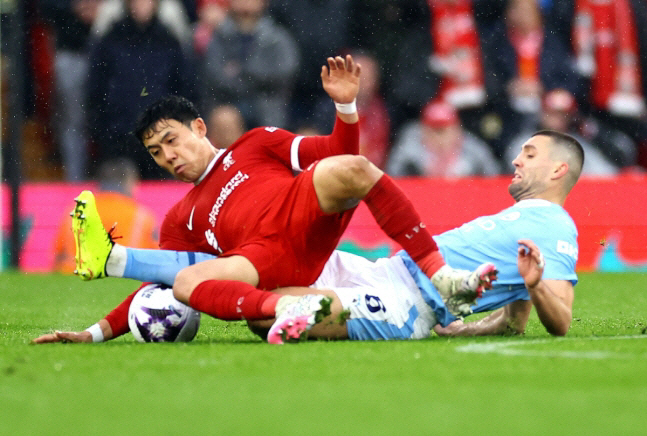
{"points": [[75, 337], [113, 325], [508, 320], [553, 299], [340, 80]]}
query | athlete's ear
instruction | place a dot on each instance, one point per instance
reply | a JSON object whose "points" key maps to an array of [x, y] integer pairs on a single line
{"points": [[560, 170], [199, 127]]}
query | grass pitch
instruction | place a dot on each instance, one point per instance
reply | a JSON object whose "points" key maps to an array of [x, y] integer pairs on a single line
{"points": [[227, 382]]}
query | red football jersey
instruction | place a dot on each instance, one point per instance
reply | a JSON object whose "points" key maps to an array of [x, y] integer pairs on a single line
{"points": [[251, 203]]}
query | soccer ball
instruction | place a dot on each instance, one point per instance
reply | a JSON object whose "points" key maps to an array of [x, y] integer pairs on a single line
{"points": [[156, 316]]}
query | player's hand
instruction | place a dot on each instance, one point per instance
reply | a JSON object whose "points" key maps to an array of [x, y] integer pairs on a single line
{"points": [[74, 337], [341, 78], [530, 262], [451, 328]]}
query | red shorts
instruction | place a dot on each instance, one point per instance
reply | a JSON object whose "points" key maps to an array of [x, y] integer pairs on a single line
{"points": [[295, 239]]}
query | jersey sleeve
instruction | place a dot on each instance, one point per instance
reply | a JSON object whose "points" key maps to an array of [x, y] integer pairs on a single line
{"points": [[298, 152], [344, 139], [559, 245], [561, 253], [118, 317]]}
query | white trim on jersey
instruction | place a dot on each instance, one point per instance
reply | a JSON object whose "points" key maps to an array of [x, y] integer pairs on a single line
{"points": [[219, 153], [294, 153]]}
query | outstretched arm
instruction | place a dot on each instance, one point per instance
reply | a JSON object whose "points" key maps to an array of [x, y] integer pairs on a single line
{"points": [[510, 319], [553, 299], [341, 82], [113, 325], [84, 336]]}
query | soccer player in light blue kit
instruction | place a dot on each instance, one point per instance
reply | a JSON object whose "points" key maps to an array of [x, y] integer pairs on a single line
{"points": [[533, 244]]}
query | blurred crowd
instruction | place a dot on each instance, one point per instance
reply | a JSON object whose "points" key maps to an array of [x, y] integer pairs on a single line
{"points": [[449, 88]]}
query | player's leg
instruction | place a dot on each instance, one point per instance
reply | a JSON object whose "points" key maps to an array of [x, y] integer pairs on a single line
{"points": [[98, 256], [379, 300], [332, 326], [93, 243], [208, 287], [342, 181]]}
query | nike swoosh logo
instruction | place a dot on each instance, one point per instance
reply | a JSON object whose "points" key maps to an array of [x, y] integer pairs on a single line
{"points": [[190, 223]]}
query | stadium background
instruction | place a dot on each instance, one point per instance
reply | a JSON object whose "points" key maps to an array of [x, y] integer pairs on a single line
{"points": [[610, 212], [610, 215]]}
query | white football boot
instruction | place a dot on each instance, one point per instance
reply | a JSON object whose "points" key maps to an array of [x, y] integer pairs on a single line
{"points": [[296, 315], [460, 288]]}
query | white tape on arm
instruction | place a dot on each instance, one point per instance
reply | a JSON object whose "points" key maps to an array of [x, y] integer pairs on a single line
{"points": [[96, 332], [347, 108]]}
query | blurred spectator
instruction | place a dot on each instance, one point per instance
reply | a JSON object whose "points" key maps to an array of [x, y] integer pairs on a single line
{"points": [[414, 83], [559, 112], [321, 29], [171, 13], [437, 146], [443, 58], [118, 179], [308, 130], [225, 124], [251, 62], [71, 21], [374, 121], [138, 61], [610, 42], [456, 56], [211, 14], [381, 27], [523, 60]]}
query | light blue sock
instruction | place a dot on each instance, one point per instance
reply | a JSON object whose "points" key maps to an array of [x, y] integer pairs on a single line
{"points": [[159, 266]]}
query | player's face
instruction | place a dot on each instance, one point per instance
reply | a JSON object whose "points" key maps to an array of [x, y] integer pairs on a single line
{"points": [[181, 150], [533, 167]]}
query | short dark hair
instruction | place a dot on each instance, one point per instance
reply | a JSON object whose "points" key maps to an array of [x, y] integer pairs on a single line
{"points": [[573, 149], [172, 107]]}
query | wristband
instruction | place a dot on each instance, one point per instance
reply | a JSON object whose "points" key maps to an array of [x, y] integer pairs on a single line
{"points": [[96, 332], [347, 108]]}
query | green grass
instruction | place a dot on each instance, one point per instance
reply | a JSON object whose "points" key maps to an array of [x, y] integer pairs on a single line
{"points": [[227, 382]]}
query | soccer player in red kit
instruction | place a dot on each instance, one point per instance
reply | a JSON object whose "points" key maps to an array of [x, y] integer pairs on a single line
{"points": [[269, 227]]}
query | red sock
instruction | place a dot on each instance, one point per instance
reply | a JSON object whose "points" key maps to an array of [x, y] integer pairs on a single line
{"points": [[397, 217], [232, 300]]}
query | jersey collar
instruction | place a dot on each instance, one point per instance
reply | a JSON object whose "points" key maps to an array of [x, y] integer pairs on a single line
{"points": [[219, 152], [534, 202]]}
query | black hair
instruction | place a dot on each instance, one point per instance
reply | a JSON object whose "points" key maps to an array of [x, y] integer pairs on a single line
{"points": [[172, 107]]}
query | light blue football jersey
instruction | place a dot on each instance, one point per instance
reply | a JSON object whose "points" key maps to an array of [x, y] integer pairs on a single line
{"points": [[494, 239]]}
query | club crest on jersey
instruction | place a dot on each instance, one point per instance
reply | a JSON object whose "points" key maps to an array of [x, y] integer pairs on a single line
{"points": [[225, 192], [211, 240], [228, 161]]}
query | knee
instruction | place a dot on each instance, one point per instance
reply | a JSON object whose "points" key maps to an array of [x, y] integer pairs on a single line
{"points": [[183, 286], [356, 174]]}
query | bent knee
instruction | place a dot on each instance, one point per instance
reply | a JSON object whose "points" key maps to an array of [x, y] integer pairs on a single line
{"points": [[342, 181], [357, 174], [184, 285]]}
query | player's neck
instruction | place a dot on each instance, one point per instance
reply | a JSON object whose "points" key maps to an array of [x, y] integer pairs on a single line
{"points": [[553, 197]]}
